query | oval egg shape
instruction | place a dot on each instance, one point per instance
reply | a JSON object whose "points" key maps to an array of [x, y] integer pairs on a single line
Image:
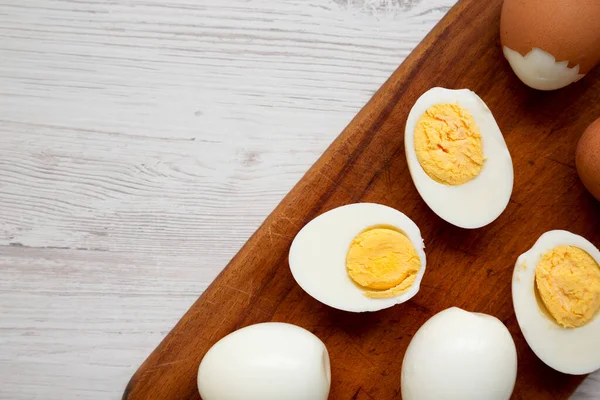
{"points": [[587, 158], [460, 355], [319, 251], [550, 43], [480, 200], [268, 361], [573, 351]]}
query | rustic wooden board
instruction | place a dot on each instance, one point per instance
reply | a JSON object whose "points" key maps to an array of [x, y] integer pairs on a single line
{"points": [[468, 269]]}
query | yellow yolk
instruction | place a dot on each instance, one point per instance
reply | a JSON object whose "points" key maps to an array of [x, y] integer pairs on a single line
{"points": [[448, 144], [568, 281], [383, 262]]}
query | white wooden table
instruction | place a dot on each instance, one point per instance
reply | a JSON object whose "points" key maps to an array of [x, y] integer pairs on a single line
{"points": [[142, 142]]}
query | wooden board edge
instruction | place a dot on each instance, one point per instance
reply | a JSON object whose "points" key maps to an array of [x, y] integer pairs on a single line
{"points": [[410, 63]]}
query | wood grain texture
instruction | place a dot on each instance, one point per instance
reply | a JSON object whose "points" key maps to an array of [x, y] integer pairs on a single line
{"points": [[142, 142], [468, 269]]}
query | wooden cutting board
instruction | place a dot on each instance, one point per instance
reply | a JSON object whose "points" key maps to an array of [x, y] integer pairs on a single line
{"points": [[470, 269]]}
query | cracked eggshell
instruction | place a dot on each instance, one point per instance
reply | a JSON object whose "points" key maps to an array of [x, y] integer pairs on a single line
{"points": [[550, 43]]}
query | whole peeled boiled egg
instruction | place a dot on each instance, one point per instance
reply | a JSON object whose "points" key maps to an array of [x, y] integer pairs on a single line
{"points": [[359, 257], [269, 361], [460, 355], [458, 158], [587, 158], [550, 43], [556, 296]]}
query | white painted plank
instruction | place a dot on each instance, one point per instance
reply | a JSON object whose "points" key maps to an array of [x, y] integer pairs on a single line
{"points": [[142, 142]]}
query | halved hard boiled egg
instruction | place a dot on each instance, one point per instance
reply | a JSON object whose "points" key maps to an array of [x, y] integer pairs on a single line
{"points": [[556, 296], [458, 158], [359, 257]]}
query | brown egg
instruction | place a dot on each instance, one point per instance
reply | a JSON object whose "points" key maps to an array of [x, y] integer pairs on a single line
{"points": [[587, 158], [568, 30]]}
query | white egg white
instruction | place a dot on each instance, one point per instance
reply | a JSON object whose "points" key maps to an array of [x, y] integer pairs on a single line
{"points": [[318, 255], [573, 351], [539, 69], [481, 200], [460, 355], [269, 361]]}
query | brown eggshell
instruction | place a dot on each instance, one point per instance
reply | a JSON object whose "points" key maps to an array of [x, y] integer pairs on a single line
{"points": [[567, 29], [587, 158]]}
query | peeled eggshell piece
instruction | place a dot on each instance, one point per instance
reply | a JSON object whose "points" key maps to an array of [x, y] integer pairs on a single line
{"points": [[269, 361]]}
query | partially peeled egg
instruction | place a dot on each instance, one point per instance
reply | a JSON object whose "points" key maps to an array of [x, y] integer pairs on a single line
{"points": [[550, 43]]}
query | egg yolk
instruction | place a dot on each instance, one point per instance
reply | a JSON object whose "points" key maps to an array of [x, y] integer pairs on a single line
{"points": [[383, 262], [448, 144], [568, 282]]}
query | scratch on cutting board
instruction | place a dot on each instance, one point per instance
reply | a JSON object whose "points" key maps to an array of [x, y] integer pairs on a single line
{"points": [[167, 364], [324, 175], [249, 294], [270, 235], [291, 221], [359, 391], [337, 185], [277, 235], [226, 316], [364, 357]]}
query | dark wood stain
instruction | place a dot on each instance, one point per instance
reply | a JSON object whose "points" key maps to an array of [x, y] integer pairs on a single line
{"points": [[468, 269]]}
